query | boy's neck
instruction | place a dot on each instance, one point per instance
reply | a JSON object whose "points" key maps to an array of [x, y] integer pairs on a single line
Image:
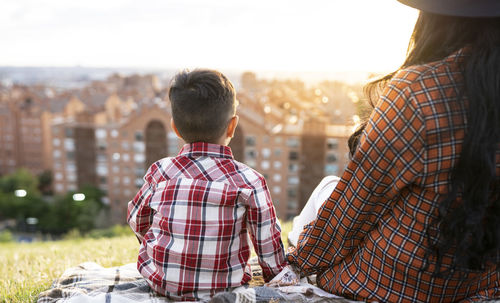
{"points": [[223, 142]]}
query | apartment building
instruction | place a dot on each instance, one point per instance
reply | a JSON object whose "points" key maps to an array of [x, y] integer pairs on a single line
{"points": [[22, 124], [108, 138]]}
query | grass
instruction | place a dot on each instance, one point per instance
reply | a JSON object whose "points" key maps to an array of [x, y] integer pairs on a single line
{"points": [[27, 269]]}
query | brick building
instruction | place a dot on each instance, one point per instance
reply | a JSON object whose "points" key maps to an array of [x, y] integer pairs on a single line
{"points": [[109, 133], [22, 124]]}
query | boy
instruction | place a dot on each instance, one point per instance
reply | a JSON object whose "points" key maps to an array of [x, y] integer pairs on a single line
{"points": [[192, 214]]}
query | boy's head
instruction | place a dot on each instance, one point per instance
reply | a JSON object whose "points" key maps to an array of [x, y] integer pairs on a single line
{"points": [[203, 105]]}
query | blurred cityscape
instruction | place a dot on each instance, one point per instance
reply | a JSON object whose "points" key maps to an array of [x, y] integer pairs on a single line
{"points": [[104, 130]]}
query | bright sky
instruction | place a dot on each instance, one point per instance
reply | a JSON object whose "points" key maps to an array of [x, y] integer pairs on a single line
{"points": [[281, 35]]}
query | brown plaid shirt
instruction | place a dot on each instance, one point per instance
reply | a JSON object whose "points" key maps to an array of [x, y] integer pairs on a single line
{"points": [[369, 239]]}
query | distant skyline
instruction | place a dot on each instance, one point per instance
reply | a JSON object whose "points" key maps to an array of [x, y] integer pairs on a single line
{"points": [[261, 35]]}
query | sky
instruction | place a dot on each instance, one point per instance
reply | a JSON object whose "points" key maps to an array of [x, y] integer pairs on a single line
{"points": [[268, 35]]}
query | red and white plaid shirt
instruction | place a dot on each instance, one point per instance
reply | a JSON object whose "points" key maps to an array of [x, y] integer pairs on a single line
{"points": [[192, 216]]}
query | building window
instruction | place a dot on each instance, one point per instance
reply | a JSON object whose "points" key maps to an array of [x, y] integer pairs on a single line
{"points": [[266, 153], [101, 145], [139, 158], [100, 133], [293, 155], [292, 193], [331, 169], [276, 189], [114, 133], [56, 153], [293, 168], [101, 157], [56, 142], [139, 136], [126, 180], [58, 176], [250, 141], [251, 163], [292, 205], [265, 165], [102, 169], [293, 142], [331, 158], [139, 172], [277, 177], [59, 187], [125, 145], [332, 143], [71, 167], [278, 140], [69, 144], [277, 164], [277, 152], [125, 157], [70, 155], [71, 177], [116, 157], [68, 132], [293, 180], [139, 147], [250, 154]]}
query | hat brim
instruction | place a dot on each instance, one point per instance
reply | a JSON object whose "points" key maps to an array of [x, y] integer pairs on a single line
{"points": [[459, 8]]}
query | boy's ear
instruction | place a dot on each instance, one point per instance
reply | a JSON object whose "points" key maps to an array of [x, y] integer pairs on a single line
{"points": [[172, 124], [231, 127]]}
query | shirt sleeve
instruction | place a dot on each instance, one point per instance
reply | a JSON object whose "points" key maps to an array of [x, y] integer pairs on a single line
{"points": [[265, 231], [389, 158], [139, 214]]}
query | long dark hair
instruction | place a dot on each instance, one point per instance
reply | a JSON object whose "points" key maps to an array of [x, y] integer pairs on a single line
{"points": [[468, 218]]}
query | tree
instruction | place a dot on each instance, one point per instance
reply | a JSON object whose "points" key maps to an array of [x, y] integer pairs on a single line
{"points": [[65, 213], [24, 205], [57, 216], [45, 182]]}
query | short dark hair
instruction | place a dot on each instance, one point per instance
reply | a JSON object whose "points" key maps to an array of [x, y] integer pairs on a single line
{"points": [[203, 101]]}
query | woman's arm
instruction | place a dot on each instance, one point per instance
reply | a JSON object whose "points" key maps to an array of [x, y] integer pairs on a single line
{"points": [[389, 158]]}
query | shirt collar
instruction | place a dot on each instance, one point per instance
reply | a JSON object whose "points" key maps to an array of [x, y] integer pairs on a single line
{"points": [[204, 149]]}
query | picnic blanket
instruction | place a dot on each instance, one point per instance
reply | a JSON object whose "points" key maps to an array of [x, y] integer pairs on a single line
{"points": [[92, 283]]}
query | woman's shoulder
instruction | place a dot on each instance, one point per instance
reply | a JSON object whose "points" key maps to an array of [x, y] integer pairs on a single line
{"points": [[432, 74]]}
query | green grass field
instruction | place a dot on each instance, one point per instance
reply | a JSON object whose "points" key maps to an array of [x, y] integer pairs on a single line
{"points": [[28, 269]]}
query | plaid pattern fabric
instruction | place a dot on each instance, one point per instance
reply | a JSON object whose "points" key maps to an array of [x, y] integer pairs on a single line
{"points": [[192, 216], [368, 240], [92, 283]]}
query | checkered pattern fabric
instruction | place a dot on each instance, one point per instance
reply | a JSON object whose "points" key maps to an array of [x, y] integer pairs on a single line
{"points": [[192, 216], [92, 283], [369, 239]]}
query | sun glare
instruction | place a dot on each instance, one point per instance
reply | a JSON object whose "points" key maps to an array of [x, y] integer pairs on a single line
{"points": [[282, 35]]}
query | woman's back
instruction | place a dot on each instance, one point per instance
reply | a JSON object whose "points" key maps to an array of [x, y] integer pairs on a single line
{"points": [[415, 215]]}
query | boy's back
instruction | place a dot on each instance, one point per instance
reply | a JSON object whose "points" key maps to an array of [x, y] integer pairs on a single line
{"points": [[192, 216]]}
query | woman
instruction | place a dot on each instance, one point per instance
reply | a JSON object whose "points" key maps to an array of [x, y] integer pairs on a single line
{"points": [[416, 215]]}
